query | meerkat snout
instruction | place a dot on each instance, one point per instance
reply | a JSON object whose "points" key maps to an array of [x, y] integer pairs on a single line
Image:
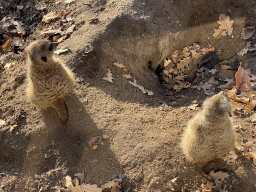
{"points": [[209, 134], [49, 80]]}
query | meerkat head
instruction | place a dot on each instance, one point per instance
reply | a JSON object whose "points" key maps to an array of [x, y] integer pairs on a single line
{"points": [[41, 51], [217, 105]]}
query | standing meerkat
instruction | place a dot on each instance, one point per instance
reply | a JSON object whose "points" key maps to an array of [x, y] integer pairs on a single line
{"points": [[49, 80], [209, 135]]}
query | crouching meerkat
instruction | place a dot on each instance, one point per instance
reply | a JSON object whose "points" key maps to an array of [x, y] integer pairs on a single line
{"points": [[209, 135], [49, 80]]}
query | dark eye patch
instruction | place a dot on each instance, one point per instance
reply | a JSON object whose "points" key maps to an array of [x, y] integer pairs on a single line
{"points": [[51, 47], [44, 59]]}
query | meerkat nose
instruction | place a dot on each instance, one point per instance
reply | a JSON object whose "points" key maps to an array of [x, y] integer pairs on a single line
{"points": [[230, 114]]}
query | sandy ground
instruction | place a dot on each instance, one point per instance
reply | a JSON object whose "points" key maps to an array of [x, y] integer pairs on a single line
{"points": [[140, 132]]}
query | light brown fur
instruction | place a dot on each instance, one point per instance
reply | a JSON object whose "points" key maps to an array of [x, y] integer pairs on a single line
{"points": [[209, 135], [49, 80]]}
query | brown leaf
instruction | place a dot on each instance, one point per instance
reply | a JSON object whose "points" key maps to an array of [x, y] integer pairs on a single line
{"points": [[116, 188], [225, 26], [248, 108], [7, 46], [242, 80], [95, 141], [247, 32]]}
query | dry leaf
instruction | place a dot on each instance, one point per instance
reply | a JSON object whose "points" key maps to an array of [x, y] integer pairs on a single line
{"points": [[7, 46], [69, 1], [95, 141], [248, 108], [247, 32], [8, 66], [225, 26], [80, 188], [127, 76], [80, 176], [109, 76], [55, 38], [95, 147], [194, 106], [150, 93], [2, 122], [134, 83], [119, 65], [90, 188], [207, 187], [220, 176], [213, 81], [116, 188], [49, 17], [109, 184], [213, 71], [242, 80], [245, 50], [70, 29], [60, 51], [183, 64]]}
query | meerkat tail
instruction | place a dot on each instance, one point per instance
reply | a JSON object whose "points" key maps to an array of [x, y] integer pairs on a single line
{"points": [[61, 109]]}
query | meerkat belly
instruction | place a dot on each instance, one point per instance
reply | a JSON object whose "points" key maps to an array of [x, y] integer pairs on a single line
{"points": [[51, 86]]}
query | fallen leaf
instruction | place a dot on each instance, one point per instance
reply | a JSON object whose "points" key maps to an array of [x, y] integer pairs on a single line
{"points": [[221, 176], [117, 64], [80, 176], [127, 76], [207, 187], [60, 51], [8, 66], [49, 17], [213, 81], [7, 46], [194, 106], [109, 76], [12, 127], [90, 188], [186, 52], [150, 93], [69, 1], [70, 29], [116, 188], [225, 26], [95, 147], [213, 71], [134, 83], [40, 6], [55, 38], [183, 64], [95, 141], [2, 122], [245, 50], [15, 84], [242, 80], [247, 32], [248, 108], [80, 188]]}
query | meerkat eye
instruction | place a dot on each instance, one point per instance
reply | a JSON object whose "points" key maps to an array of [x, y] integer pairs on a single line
{"points": [[51, 47], [44, 59]]}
